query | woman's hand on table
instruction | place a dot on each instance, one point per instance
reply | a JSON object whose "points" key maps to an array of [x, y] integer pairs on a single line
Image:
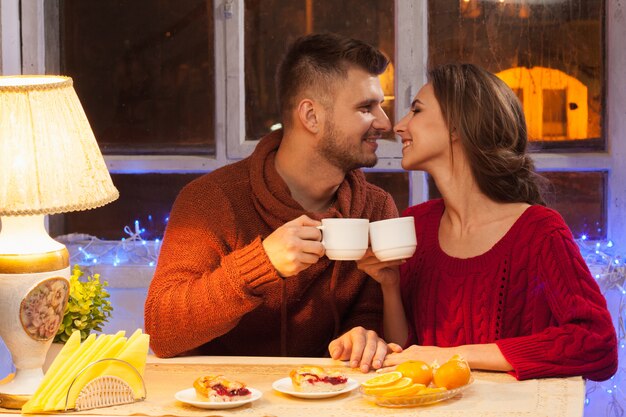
{"points": [[427, 354], [363, 348], [485, 356]]}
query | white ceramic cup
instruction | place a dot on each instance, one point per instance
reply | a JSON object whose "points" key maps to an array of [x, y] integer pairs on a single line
{"points": [[393, 239], [345, 239]]}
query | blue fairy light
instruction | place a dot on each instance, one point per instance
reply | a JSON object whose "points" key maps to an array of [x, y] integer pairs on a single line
{"points": [[132, 249]]}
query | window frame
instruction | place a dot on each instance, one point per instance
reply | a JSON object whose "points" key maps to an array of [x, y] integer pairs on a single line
{"points": [[38, 32]]}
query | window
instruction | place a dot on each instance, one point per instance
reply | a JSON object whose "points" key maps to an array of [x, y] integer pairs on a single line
{"points": [[550, 54], [551, 50], [144, 71], [558, 45]]}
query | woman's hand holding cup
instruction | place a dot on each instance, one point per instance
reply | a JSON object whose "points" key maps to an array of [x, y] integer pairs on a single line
{"points": [[386, 273]]}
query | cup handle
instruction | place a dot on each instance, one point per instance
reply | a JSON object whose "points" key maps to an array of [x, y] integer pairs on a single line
{"points": [[321, 229]]}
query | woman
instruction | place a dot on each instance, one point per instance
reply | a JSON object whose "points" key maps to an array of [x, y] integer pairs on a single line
{"points": [[497, 276]]}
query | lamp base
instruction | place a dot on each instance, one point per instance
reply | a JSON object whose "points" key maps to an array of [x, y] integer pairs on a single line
{"points": [[31, 307], [34, 288], [23, 382], [13, 395], [14, 402]]}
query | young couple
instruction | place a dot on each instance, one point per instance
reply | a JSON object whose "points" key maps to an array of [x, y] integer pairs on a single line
{"points": [[497, 276]]}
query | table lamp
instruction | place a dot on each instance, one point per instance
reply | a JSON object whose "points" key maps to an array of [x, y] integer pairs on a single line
{"points": [[49, 163]]}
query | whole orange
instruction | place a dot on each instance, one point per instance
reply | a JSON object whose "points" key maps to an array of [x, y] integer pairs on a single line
{"points": [[452, 374], [420, 372]]}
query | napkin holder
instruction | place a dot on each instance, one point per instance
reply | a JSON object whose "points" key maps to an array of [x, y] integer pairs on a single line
{"points": [[105, 390]]}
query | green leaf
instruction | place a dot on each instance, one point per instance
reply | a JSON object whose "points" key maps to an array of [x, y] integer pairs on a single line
{"points": [[88, 305]]}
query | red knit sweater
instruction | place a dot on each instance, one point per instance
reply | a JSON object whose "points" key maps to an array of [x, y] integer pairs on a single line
{"points": [[531, 294], [215, 291]]}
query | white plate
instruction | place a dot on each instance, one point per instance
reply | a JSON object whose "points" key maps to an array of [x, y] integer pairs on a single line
{"points": [[188, 396], [285, 386]]}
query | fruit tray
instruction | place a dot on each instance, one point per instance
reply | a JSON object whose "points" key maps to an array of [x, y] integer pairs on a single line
{"points": [[415, 400]]}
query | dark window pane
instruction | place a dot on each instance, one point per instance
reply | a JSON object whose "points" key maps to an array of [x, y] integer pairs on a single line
{"points": [[578, 196], [550, 53], [271, 25], [144, 72], [395, 183], [147, 198]]}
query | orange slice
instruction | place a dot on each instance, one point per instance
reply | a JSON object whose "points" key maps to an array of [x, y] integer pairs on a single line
{"points": [[382, 379], [402, 392], [432, 390], [380, 390]]}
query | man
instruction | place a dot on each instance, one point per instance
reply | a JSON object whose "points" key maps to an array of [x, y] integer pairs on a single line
{"points": [[241, 269]]}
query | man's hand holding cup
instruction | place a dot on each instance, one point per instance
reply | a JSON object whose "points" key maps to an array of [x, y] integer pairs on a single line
{"points": [[294, 246]]}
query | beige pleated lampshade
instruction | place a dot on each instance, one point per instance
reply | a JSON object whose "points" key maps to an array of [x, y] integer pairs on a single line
{"points": [[49, 158]]}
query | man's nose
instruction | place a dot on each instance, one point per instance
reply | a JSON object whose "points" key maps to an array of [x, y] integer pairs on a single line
{"points": [[381, 122]]}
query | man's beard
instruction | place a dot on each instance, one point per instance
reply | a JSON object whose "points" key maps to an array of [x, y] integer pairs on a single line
{"points": [[339, 151]]}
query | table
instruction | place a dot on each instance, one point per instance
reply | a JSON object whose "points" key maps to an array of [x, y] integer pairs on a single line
{"points": [[491, 394]]}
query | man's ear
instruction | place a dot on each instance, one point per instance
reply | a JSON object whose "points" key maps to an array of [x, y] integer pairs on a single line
{"points": [[308, 114]]}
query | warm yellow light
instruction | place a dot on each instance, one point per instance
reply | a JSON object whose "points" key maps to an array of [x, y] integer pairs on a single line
{"points": [[49, 159], [387, 82], [535, 86]]}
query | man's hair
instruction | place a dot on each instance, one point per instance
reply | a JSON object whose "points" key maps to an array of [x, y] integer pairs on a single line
{"points": [[489, 120], [314, 62]]}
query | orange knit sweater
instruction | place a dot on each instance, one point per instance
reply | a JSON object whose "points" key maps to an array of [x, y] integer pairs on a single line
{"points": [[215, 291]]}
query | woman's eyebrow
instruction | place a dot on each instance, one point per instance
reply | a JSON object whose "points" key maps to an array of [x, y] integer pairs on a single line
{"points": [[416, 101]]}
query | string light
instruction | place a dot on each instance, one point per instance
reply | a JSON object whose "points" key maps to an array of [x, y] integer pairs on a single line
{"points": [[132, 249], [608, 266]]}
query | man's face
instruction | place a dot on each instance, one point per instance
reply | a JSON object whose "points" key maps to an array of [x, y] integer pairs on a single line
{"points": [[354, 121]]}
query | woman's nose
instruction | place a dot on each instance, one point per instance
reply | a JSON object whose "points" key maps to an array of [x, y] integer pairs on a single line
{"points": [[400, 127]]}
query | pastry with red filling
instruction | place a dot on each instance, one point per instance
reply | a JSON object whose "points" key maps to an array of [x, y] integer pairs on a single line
{"points": [[216, 388], [316, 379]]}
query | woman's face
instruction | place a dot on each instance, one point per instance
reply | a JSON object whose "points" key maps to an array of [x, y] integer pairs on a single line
{"points": [[423, 132]]}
